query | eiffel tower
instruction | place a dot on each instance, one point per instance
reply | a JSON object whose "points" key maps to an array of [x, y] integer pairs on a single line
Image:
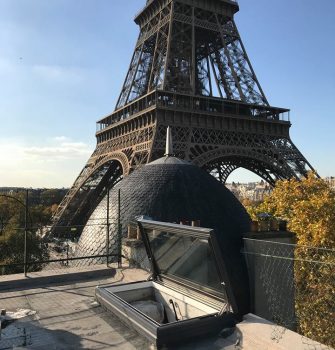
{"points": [[190, 71]]}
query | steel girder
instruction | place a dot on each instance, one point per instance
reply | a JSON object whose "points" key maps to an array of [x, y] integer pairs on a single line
{"points": [[86, 192], [218, 151], [146, 70], [110, 161], [187, 49], [222, 151], [188, 52]]}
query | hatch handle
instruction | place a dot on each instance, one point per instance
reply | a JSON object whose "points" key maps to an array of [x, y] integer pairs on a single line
{"points": [[174, 309]]}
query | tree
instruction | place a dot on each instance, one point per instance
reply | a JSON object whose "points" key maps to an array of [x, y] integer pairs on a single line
{"points": [[12, 252], [12, 221], [42, 205], [309, 207], [11, 213], [52, 196]]}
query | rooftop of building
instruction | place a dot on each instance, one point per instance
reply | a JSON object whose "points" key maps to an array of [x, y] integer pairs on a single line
{"points": [[60, 312]]}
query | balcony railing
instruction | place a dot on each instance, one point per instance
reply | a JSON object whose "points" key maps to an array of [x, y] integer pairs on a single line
{"points": [[194, 104]]}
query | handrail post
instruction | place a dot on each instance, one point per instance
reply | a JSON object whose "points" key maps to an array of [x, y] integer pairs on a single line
{"points": [[119, 230], [25, 235], [107, 228]]}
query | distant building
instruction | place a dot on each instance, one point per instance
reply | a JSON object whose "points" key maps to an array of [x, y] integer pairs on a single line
{"points": [[254, 191], [331, 181], [9, 190]]}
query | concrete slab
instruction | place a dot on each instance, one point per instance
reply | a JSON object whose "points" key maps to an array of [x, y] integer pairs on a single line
{"points": [[68, 317], [259, 334], [57, 276]]}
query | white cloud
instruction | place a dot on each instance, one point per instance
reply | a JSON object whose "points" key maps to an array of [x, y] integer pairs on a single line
{"points": [[60, 139], [65, 150], [54, 164]]}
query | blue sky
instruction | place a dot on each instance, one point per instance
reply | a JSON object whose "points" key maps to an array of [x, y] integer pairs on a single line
{"points": [[62, 65]]}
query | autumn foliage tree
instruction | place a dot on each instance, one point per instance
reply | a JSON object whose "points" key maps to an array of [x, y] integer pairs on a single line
{"points": [[308, 206]]}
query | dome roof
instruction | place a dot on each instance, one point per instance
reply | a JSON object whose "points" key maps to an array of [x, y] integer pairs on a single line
{"points": [[173, 190]]}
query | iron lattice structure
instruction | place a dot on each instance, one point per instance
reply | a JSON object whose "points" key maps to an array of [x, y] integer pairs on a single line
{"points": [[189, 70]]}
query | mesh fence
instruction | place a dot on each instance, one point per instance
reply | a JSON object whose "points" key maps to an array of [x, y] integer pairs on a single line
{"points": [[47, 249], [294, 286]]}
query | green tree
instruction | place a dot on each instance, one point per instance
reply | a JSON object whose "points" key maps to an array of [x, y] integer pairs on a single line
{"points": [[49, 197], [12, 223], [11, 213], [12, 252]]}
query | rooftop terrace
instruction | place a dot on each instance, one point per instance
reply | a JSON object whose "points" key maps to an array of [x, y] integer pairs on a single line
{"points": [[65, 315]]}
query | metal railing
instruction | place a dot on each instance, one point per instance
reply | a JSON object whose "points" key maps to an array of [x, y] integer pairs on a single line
{"points": [[294, 286], [198, 104], [100, 244]]}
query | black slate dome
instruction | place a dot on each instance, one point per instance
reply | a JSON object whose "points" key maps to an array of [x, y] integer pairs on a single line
{"points": [[172, 190]]}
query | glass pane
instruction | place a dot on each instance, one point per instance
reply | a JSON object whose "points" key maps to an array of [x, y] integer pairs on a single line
{"points": [[185, 257]]}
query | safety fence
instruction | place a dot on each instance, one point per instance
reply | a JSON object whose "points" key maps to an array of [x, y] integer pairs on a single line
{"points": [[60, 248], [291, 285], [294, 286]]}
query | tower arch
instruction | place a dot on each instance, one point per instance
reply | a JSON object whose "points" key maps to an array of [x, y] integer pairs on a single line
{"points": [[222, 162], [88, 189]]}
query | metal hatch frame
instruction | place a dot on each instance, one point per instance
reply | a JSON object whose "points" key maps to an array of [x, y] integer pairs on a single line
{"points": [[197, 232]]}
